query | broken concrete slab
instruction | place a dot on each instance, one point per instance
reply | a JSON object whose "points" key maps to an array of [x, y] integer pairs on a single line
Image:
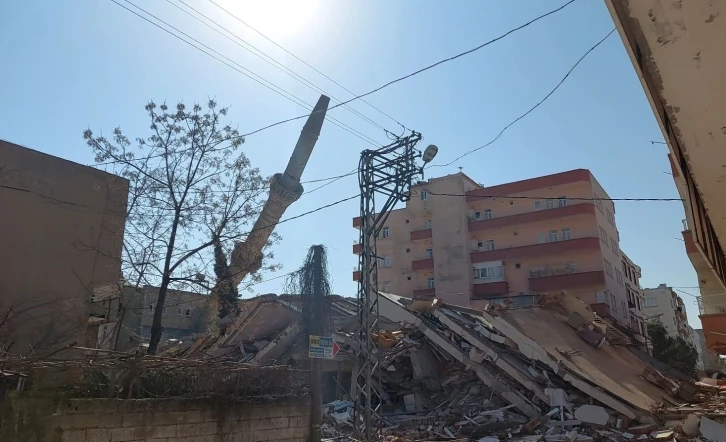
{"points": [[712, 430], [691, 425], [592, 414]]}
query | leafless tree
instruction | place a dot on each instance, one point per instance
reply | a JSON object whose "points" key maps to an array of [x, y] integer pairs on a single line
{"points": [[190, 186]]}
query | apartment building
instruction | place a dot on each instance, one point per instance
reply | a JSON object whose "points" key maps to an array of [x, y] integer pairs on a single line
{"points": [[663, 305], [677, 52], [631, 274], [512, 241]]}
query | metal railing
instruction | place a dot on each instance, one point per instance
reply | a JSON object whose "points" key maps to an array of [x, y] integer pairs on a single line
{"points": [[542, 273]]}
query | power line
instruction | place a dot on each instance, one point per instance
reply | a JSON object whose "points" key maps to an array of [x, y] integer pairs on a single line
{"points": [[306, 63], [268, 59], [358, 97], [516, 120], [511, 197], [242, 70]]}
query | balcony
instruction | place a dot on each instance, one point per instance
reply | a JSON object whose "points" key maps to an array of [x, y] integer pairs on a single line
{"points": [[356, 275], [564, 279], [537, 250], [602, 309], [486, 290], [356, 222], [532, 217], [714, 330], [424, 294], [420, 234], [422, 264], [357, 249]]}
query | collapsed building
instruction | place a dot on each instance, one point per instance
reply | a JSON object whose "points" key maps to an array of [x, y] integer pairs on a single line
{"points": [[553, 370]]}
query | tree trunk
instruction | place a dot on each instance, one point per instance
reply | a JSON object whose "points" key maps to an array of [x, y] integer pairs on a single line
{"points": [[156, 328]]}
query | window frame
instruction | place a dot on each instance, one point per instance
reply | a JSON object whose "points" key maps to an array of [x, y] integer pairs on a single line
{"points": [[569, 234]]}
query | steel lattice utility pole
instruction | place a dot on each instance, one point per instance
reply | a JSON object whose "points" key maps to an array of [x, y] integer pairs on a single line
{"points": [[388, 171]]}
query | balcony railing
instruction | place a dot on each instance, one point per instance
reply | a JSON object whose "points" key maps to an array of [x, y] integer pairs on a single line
{"points": [[685, 225], [537, 250], [564, 279]]}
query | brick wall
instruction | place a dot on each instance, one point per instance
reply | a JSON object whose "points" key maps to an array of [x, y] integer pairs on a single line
{"points": [[44, 419]]}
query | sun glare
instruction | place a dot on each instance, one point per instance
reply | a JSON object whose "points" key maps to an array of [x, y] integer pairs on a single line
{"points": [[278, 19]]}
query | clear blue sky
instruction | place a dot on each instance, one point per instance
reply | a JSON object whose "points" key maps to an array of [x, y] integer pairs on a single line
{"points": [[72, 65]]}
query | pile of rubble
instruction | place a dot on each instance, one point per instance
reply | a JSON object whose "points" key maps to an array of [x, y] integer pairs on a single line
{"points": [[457, 374]]}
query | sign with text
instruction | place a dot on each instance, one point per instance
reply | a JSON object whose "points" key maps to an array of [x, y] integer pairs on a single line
{"points": [[322, 347]]}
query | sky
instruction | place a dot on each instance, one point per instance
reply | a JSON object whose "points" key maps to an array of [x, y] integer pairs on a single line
{"points": [[68, 66]]}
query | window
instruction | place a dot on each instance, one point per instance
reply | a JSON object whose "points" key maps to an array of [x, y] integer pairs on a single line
{"points": [[598, 202], [625, 306], [603, 235], [537, 205], [487, 213], [490, 244], [651, 302], [151, 309], [550, 204], [637, 303], [480, 245], [387, 261], [492, 272], [385, 233], [561, 201], [386, 287], [427, 224], [429, 253], [613, 304], [541, 237], [614, 246], [565, 234], [618, 276], [178, 311], [424, 195], [608, 268], [430, 283], [477, 215], [553, 235], [610, 217], [188, 313]]}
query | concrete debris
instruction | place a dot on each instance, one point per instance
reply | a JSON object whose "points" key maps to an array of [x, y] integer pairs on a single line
{"points": [[712, 430], [551, 372], [592, 414]]}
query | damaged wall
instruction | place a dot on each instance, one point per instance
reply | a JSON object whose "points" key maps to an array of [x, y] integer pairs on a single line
{"points": [[51, 419]]}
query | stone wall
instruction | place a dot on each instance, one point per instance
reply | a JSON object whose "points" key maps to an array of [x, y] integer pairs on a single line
{"points": [[44, 419]]}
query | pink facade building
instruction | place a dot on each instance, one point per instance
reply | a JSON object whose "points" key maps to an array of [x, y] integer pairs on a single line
{"points": [[469, 245]]}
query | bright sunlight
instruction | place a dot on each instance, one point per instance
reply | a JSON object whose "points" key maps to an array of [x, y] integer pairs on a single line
{"points": [[277, 19]]}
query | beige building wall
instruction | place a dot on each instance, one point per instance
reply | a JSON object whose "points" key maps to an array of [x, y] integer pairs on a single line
{"points": [[61, 230], [663, 305], [535, 236]]}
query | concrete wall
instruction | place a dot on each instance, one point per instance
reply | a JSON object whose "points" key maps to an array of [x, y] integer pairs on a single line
{"points": [[664, 311], [61, 230], [102, 420]]}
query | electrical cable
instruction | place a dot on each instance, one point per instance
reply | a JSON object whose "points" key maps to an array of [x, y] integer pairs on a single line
{"points": [[405, 77], [517, 197], [268, 59], [308, 64], [516, 120], [242, 70]]}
